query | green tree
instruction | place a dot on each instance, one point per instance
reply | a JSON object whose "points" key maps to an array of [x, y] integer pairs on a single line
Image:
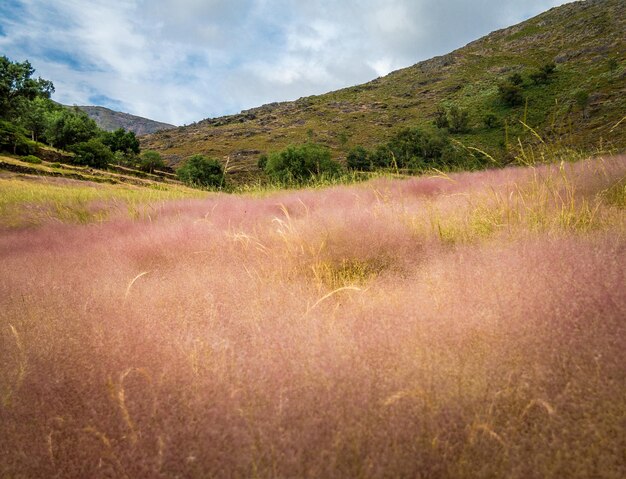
{"points": [[297, 164], [13, 139], [150, 161], [34, 117], [121, 140], [17, 86], [66, 127], [359, 159], [92, 153], [199, 170]]}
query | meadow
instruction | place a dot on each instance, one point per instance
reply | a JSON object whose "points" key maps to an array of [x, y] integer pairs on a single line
{"points": [[461, 325]]}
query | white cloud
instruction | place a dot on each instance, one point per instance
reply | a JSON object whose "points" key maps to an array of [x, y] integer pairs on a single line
{"points": [[381, 66], [184, 60]]}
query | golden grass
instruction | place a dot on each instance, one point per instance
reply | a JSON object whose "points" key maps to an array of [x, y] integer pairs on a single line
{"points": [[25, 201]]}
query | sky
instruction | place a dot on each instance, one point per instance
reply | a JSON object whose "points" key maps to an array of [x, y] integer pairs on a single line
{"points": [[181, 61]]}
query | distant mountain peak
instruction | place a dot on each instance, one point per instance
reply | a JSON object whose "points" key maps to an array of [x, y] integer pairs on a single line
{"points": [[110, 120]]}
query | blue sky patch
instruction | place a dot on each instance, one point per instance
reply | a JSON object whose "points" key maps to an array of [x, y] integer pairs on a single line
{"points": [[105, 101], [65, 58], [11, 9]]}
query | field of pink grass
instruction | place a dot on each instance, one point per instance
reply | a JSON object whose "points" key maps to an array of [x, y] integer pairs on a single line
{"points": [[470, 325]]}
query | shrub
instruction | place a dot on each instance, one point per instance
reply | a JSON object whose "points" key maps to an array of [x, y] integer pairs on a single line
{"points": [[382, 157], [358, 159], [511, 93], [92, 153], [262, 161], [581, 97], [543, 74], [441, 118], [297, 164], [491, 120], [201, 171], [458, 119], [419, 150], [515, 79], [31, 159]]}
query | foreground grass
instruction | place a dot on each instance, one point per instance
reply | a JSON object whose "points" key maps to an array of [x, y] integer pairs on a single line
{"points": [[468, 325]]}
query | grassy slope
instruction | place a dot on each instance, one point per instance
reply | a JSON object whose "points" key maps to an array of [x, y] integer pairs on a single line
{"points": [[463, 326], [580, 37], [34, 194]]}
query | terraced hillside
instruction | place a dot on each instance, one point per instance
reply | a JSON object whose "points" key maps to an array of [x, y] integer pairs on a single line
{"points": [[581, 105]]}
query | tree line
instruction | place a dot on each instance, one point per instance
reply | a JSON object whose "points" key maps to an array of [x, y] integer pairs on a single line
{"points": [[29, 118]]}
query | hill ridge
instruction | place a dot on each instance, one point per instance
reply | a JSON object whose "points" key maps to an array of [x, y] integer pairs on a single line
{"points": [[110, 120], [581, 38]]}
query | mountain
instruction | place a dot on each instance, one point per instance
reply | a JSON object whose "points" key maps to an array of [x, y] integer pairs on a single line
{"points": [[112, 120], [581, 102]]}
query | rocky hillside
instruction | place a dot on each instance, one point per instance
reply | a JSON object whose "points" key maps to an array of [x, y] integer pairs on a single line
{"points": [[582, 102], [112, 120]]}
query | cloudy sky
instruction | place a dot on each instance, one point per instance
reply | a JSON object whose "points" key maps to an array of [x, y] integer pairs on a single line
{"points": [[180, 61]]}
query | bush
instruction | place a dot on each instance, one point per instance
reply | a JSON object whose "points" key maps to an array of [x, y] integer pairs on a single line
{"points": [[31, 159], [458, 119], [358, 159], [511, 94], [544, 74], [201, 171], [515, 79], [297, 164], [581, 97], [262, 163], [441, 118], [418, 150], [382, 157], [92, 153], [491, 121], [24, 146]]}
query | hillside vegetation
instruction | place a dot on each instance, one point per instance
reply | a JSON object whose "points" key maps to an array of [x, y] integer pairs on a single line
{"points": [[580, 104], [42, 137]]}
